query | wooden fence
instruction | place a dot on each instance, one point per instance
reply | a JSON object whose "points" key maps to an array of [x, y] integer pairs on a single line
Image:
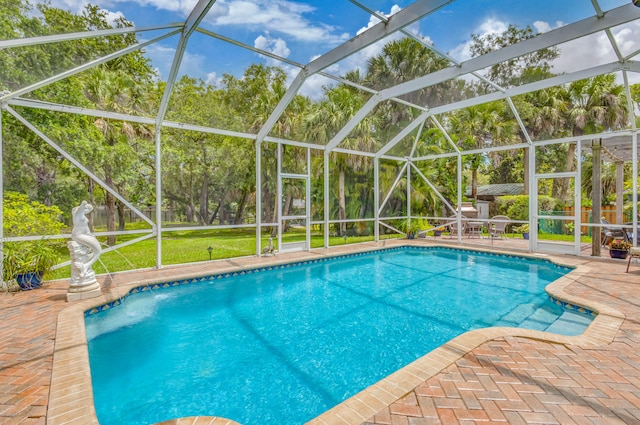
{"points": [[607, 213]]}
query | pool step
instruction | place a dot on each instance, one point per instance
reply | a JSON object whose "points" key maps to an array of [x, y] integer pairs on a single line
{"points": [[530, 316], [570, 323]]}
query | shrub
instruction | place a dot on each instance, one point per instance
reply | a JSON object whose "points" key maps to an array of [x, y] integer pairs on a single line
{"points": [[517, 207], [29, 218]]}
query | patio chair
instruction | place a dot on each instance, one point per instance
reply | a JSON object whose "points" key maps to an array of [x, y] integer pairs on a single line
{"points": [[611, 233], [498, 229], [634, 252]]}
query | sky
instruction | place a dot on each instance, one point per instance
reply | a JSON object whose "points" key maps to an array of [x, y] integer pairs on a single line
{"points": [[301, 30]]}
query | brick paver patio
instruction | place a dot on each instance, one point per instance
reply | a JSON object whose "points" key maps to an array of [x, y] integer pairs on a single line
{"points": [[508, 379]]}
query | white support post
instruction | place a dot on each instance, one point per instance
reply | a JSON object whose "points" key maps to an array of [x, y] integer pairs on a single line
{"points": [[376, 199], [533, 199], [578, 200], [619, 191], [158, 224], [459, 207], [308, 199], [2, 285], [634, 167], [409, 191], [258, 169], [326, 198], [279, 196]]}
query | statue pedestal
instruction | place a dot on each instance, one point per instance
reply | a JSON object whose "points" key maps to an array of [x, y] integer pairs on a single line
{"points": [[84, 292], [83, 283]]}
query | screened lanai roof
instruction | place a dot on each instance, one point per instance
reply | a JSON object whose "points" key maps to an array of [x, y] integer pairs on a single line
{"points": [[214, 38]]}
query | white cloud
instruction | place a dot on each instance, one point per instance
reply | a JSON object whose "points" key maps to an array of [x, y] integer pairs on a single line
{"points": [[586, 52], [542, 26], [277, 46], [583, 53], [462, 52], [281, 16], [213, 79], [112, 17], [77, 6], [596, 49], [191, 63], [359, 60]]}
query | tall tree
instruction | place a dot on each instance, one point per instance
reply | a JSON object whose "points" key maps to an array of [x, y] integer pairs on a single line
{"points": [[591, 106], [323, 122], [116, 91], [517, 71], [482, 126]]}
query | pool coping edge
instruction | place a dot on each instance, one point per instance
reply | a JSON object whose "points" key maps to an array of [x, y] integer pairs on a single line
{"points": [[71, 394]]}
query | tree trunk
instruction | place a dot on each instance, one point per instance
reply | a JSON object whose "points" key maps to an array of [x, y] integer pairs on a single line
{"points": [[221, 210], [121, 218], [45, 181], [364, 204], [215, 213], [111, 210], [561, 186], [342, 201], [190, 212], [204, 200], [474, 184], [241, 206]]}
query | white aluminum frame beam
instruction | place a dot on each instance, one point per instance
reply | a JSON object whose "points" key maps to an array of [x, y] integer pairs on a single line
{"points": [[84, 67], [418, 122], [75, 162], [539, 85], [404, 17], [195, 17], [393, 186], [433, 187], [46, 39], [614, 17], [425, 44], [37, 104]]}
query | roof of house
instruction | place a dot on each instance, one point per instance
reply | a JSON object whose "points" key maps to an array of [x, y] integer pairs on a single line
{"points": [[501, 189]]}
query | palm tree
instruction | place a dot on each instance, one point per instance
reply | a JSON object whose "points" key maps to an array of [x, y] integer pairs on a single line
{"points": [[542, 114], [326, 118], [405, 60], [482, 126], [592, 106], [116, 91]]}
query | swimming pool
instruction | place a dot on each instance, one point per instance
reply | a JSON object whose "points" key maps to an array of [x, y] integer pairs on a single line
{"points": [[283, 345]]}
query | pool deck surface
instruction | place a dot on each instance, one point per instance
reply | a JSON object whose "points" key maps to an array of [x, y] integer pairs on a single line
{"points": [[488, 376]]}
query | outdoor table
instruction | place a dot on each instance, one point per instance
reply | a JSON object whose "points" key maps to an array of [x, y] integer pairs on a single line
{"points": [[475, 228]]}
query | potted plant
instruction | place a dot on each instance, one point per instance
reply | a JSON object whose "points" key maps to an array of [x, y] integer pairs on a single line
{"points": [[524, 229], [27, 262], [412, 226], [437, 231], [619, 248]]}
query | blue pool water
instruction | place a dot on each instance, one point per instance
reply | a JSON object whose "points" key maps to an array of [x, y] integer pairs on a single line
{"points": [[283, 346]]}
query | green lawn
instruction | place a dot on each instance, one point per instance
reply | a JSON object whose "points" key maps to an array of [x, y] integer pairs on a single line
{"points": [[187, 246]]}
